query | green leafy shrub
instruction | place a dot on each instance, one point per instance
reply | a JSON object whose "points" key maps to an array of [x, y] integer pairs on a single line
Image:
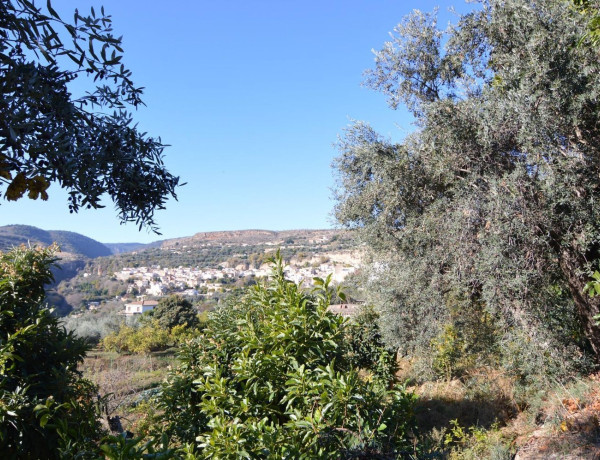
{"points": [[46, 409], [149, 336], [448, 348], [123, 448], [476, 442], [270, 378], [468, 340], [365, 346]]}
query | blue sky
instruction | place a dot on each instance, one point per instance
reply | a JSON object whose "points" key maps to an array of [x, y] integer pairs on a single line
{"points": [[251, 96]]}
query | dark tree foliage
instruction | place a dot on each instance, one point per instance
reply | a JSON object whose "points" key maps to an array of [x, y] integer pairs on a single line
{"points": [[48, 135], [46, 409], [492, 206], [174, 311], [366, 348]]}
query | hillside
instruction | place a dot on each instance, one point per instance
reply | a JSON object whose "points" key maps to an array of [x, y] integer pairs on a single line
{"points": [[211, 249], [70, 242], [86, 267], [251, 238], [211, 266]]}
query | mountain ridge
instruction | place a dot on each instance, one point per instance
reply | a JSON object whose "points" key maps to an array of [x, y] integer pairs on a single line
{"points": [[69, 242], [78, 244], [249, 236]]}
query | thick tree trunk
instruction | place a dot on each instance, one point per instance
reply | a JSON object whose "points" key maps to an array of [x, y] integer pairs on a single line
{"points": [[571, 263]]}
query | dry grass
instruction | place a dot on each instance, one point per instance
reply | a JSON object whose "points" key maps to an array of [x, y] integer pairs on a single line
{"points": [[482, 398], [569, 424], [124, 377], [564, 423]]}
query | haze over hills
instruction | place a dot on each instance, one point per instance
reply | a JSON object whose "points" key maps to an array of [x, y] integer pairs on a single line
{"points": [[119, 248]]}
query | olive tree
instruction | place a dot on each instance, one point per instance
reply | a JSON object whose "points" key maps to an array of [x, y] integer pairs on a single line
{"points": [[490, 208]]}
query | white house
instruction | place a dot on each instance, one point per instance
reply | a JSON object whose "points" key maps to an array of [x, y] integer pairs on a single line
{"points": [[156, 289], [137, 308]]}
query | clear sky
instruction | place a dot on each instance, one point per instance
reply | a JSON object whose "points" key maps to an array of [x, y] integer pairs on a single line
{"points": [[251, 96]]}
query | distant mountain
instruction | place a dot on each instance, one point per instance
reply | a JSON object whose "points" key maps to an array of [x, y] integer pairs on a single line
{"points": [[119, 248], [251, 237], [80, 245], [70, 242]]}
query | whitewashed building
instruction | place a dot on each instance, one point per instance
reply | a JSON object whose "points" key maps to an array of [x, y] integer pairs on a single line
{"points": [[137, 308]]}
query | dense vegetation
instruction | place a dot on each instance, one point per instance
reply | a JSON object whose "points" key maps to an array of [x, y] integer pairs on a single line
{"points": [[482, 234], [483, 223], [46, 409], [272, 377]]}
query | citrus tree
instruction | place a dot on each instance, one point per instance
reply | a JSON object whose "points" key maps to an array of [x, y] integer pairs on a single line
{"points": [[270, 377], [47, 410]]}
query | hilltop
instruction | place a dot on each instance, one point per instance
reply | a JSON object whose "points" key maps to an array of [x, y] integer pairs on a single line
{"points": [[252, 237], [71, 243], [231, 248], [77, 246]]}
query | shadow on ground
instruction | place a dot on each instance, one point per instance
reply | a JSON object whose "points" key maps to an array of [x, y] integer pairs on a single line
{"points": [[437, 413]]}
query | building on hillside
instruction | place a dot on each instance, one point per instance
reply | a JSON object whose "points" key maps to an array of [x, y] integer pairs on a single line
{"points": [[156, 289], [137, 308]]}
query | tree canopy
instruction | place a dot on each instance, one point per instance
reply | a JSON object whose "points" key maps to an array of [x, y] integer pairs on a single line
{"points": [[174, 311], [491, 207], [86, 144]]}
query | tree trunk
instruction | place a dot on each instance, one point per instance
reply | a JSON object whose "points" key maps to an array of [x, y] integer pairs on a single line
{"points": [[587, 307]]}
